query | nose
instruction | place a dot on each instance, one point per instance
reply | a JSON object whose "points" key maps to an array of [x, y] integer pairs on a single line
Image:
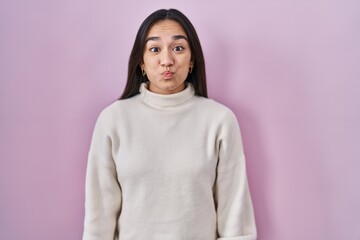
{"points": [[166, 59]]}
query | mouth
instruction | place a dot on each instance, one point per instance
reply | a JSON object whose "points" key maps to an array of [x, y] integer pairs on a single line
{"points": [[168, 74]]}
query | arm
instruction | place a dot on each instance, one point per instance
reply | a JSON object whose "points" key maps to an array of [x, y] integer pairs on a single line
{"points": [[102, 191], [235, 215]]}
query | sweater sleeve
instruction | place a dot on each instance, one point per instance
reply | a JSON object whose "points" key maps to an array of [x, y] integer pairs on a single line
{"points": [[235, 215], [102, 191]]}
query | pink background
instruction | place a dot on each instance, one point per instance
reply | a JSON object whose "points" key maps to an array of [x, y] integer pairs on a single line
{"points": [[290, 70]]}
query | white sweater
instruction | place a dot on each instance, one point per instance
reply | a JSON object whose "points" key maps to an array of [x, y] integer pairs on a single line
{"points": [[167, 167]]}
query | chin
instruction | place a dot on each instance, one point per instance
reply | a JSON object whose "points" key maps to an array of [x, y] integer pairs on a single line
{"points": [[168, 85]]}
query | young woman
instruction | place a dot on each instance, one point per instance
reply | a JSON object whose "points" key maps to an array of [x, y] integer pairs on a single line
{"points": [[166, 162]]}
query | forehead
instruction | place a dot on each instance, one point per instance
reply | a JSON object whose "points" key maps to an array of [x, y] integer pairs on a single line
{"points": [[166, 27]]}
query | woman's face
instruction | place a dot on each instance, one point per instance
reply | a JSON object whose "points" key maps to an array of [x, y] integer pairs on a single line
{"points": [[167, 57]]}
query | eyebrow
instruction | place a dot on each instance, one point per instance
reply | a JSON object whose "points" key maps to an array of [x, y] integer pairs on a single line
{"points": [[175, 37]]}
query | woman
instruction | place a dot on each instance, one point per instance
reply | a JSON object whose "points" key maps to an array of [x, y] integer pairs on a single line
{"points": [[165, 161]]}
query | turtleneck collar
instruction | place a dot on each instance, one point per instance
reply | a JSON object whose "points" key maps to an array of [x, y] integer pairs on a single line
{"points": [[166, 100]]}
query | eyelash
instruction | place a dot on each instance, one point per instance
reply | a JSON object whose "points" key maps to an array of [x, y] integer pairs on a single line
{"points": [[157, 49], [181, 48]]}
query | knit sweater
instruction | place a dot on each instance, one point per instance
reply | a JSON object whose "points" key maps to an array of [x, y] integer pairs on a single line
{"points": [[167, 167]]}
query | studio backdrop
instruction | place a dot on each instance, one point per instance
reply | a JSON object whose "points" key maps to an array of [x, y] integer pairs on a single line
{"points": [[288, 69]]}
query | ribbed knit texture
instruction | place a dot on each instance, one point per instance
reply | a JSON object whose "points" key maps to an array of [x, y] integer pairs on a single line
{"points": [[167, 167]]}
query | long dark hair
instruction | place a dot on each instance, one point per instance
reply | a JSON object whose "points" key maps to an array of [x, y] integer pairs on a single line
{"points": [[135, 77]]}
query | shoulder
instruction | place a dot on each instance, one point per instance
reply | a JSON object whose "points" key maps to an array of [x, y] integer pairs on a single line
{"points": [[110, 114], [216, 109], [119, 106]]}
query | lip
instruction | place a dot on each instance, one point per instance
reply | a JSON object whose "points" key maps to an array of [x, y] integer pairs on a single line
{"points": [[168, 74]]}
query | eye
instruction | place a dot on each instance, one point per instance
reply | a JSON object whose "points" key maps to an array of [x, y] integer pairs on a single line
{"points": [[178, 48], [154, 49]]}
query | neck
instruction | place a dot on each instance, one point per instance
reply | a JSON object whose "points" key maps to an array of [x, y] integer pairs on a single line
{"points": [[153, 88], [165, 100]]}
